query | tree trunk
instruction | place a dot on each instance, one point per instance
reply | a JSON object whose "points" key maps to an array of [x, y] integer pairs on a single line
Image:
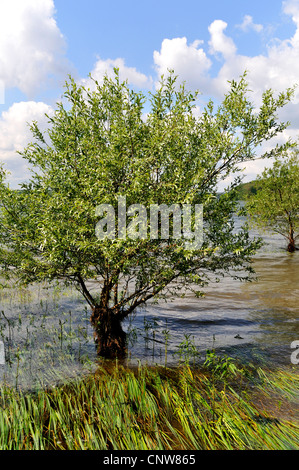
{"points": [[110, 338], [291, 245]]}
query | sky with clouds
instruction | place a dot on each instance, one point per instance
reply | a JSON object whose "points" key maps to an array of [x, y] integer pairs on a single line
{"points": [[207, 43]]}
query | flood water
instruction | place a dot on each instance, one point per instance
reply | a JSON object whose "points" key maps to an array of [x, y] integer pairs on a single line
{"points": [[47, 336], [263, 314]]}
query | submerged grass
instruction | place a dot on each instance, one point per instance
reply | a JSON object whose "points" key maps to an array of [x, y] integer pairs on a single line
{"points": [[158, 408]]}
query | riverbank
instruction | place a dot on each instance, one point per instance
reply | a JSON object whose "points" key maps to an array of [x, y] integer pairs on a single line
{"points": [[216, 407]]}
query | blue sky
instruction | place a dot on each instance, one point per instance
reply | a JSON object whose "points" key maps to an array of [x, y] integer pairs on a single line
{"points": [[206, 42], [134, 29]]}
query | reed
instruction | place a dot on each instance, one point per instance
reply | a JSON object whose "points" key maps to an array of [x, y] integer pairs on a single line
{"points": [[220, 405], [158, 408]]}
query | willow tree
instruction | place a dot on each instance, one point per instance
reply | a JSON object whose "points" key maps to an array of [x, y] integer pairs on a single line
{"points": [[275, 206], [111, 142]]}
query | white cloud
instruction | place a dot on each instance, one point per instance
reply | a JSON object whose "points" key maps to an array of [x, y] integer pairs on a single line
{"points": [[248, 25], [189, 62], [219, 42], [2, 92], [106, 67], [15, 135], [31, 44], [277, 69], [291, 7]]}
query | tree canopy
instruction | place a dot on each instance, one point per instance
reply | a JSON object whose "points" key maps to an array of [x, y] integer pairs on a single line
{"points": [[275, 206], [104, 143]]}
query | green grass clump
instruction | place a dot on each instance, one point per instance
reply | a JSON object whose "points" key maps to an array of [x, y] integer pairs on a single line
{"points": [[156, 409]]}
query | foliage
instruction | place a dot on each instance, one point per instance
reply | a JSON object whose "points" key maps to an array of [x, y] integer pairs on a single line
{"points": [[187, 350], [246, 189], [275, 206], [220, 366]]}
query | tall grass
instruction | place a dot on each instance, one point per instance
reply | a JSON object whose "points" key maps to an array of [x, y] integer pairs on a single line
{"points": [[155, 409], [219, 406]]}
